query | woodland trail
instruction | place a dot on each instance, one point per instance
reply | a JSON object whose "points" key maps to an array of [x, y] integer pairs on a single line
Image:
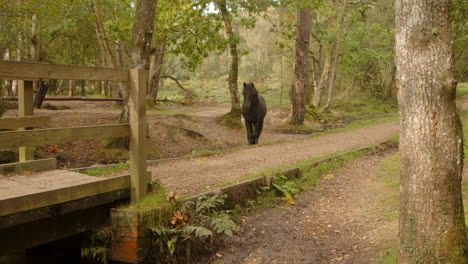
{"points": [[351, 217], [192, 176]]}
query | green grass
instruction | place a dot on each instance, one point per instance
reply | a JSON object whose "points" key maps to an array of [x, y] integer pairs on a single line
{"points": [[388, 174], [462, 89], [153, 200], [390, 257], [358, 124], [203, 153], [464, 119], [102, 171]]}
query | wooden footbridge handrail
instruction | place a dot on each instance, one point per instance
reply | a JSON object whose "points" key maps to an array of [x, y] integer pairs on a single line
{"points": [[18, 70], [11, 139], [25, 72], [25, 121]]}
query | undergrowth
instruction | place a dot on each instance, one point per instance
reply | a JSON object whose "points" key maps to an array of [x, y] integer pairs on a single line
{"points": [[193, 228]]}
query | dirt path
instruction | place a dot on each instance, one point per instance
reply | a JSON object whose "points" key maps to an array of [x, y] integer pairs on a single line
{"points": [[340, 221], [196, 175]]}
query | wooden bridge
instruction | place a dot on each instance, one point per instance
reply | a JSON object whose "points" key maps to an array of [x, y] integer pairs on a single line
{"points": [[37, 208]]}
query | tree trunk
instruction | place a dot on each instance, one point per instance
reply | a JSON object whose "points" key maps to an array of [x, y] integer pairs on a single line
{"points": [[331, 82], [102, 37], [7, 84], [324, 78], [157, 60], [432, 224], [301, 68], [71, 88], [34, 46], [234, 68], [83, 87], [141, 43]]}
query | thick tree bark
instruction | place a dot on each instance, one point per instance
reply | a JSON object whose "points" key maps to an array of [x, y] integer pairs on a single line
{"points": [[301, 68], [142, 34], [432, 224], [141, 43], [234, 68]]}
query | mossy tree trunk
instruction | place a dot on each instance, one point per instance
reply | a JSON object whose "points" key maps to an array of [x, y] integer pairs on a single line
{"points": [[301, 67], [432, 224]]}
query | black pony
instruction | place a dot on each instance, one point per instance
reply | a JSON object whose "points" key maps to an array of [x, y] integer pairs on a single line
{"points": [[253, 110]]}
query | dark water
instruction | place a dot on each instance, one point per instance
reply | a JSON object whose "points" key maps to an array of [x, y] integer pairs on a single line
{"points": [[66, 251]]}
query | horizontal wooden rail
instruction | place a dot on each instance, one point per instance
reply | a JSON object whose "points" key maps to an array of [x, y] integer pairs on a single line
{"points": [[16, 70], [30, 165], [26, 121], [61, 135], [37, 200]]}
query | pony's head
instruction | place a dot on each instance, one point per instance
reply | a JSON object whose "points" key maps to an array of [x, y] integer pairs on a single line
{"points": [[250, 95]]}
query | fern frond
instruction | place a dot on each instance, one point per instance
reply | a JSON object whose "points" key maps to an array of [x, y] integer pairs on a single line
{"points": [[199, 232]]}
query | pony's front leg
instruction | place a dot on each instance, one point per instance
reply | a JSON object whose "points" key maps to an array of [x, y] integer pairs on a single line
{"points": [[249, 127], [257, 130]]}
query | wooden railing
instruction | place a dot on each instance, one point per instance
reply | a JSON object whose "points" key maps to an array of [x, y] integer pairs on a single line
{"points": [[26, 72]]}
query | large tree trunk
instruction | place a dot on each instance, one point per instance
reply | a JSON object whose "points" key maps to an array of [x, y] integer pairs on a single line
{"points": [[141, 43], [432, 224], [234, 68], [154, 78], [301, 68], [331, 82]]}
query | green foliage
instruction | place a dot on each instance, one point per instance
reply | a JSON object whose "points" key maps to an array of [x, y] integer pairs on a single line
{"points": [[285, 186], [97, 247], [193, 227]]}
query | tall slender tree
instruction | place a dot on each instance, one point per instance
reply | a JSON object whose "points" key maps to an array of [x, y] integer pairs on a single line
{"points": [[301, 67], [432, 223], [232, 47]]}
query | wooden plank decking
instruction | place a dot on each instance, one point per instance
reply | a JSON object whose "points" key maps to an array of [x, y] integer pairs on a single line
{"points": [[21, 193]]}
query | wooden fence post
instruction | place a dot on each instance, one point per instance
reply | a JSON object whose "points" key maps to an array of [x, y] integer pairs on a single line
{"points": [[137, 103], [25, 108]]}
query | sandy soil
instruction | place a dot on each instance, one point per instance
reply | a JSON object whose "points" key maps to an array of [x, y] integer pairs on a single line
{"points": [[195, 175], [337, 222], [24, 184]]}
